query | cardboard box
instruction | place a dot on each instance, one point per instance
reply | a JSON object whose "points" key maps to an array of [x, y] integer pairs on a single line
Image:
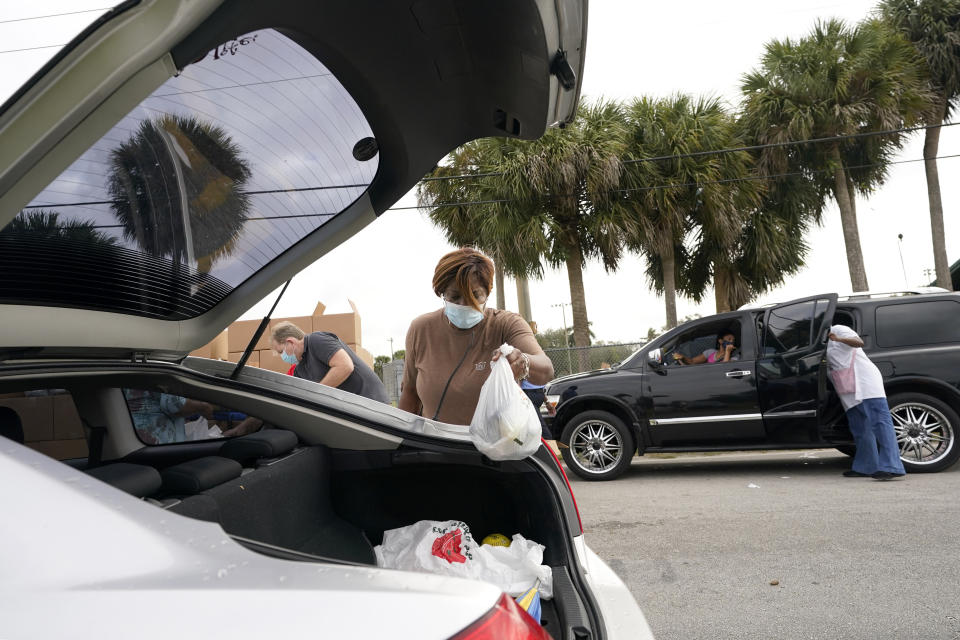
{"points": [[61, 449], [364, 355], [252, 361], [220, 346], [36, 414], [272, 362], [304, 322], [66, 420], [202, 352], [241, 332]]}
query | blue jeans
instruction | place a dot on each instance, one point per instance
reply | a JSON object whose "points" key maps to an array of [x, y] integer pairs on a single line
{"points": [[872, 429]]}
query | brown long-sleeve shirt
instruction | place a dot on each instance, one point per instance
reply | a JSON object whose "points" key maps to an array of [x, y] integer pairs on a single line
{"points": [[434, 347]]}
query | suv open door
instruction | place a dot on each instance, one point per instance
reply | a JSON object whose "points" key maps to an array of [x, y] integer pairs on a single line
{"points": [[791, 367]]}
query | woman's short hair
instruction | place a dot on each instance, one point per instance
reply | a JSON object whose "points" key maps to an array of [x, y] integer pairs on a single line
{"points": [[285, 329], [461, 266]]}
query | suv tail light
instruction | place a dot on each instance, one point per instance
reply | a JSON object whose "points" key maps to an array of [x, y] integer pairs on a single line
{"points": [[506, 621]]}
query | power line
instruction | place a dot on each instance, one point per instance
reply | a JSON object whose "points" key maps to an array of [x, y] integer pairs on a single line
{"points": [[757, 147], [478, 202], [49, 46], [771, 145], [675, 185], [501, 200], [53, 15], [89, 203]]}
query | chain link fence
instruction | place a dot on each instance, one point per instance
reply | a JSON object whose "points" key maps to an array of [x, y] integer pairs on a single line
{"points": [[580, 359], [565, 362]]}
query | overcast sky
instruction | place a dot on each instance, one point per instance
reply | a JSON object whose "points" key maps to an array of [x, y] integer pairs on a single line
{"points": [[633, 49]]}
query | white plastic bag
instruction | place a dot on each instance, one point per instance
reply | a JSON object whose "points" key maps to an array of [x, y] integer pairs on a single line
{"points": [[505, 425], [448, 548]]}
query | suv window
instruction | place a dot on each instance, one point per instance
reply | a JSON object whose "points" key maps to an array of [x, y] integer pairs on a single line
{"points": [[166, 418], [900, 325], [793, 327], [45, 420]]}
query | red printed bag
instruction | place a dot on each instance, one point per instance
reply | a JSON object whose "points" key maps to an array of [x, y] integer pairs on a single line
{"points": [[844, 380]]}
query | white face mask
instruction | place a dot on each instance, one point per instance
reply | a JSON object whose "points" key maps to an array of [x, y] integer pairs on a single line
{"points": [[462, 317]]}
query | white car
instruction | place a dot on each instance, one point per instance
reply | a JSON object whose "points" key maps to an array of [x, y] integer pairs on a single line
{"points": [[174, 164]]}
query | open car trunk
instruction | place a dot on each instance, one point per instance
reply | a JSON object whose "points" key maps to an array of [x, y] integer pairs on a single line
{"points": [[320, 504]]}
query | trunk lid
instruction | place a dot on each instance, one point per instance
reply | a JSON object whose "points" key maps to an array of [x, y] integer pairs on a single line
{"points": [[179, 160]]}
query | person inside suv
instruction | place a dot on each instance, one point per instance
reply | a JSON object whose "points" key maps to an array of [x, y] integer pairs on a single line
{"points": [[726, 351]]}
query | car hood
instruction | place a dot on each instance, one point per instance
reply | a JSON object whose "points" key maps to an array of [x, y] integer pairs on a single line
{"points": [[579, 376], [179, 160]]}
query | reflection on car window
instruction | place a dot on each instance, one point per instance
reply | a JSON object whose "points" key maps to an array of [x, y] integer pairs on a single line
{"points": [[794, 326], [221, 169], [166, 418], [45, 420]]}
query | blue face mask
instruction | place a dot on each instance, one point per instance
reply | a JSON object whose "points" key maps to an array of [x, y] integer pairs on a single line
{"points": [[289, 358], [461, 316]]}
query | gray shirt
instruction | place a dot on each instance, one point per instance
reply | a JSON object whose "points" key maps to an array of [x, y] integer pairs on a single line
{"points": [[319, 347]]}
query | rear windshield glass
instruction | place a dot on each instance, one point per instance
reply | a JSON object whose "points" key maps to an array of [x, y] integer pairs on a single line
{"points": [[900, 325], [219, 171]]}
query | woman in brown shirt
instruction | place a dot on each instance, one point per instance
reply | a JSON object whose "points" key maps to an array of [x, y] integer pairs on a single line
{"points": [[448, 351]]}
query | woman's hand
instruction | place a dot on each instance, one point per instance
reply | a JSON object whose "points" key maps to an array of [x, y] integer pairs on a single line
{"points": [[519, 362]]}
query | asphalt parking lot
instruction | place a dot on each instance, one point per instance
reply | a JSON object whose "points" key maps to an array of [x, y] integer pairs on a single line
{"points": [[779, 545]]}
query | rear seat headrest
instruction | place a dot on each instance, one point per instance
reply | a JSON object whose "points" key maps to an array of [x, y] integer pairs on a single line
{"points": [[199, 475], [268, 443], [136, 479]]}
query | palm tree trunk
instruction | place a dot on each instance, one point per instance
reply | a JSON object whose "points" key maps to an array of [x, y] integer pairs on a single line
{"points": [[523, 298], [498, 279], [578, 302], [848, 220], [670, 285], [931, 145], [721, 288]]}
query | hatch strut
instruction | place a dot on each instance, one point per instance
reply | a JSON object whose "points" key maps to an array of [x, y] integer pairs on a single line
{"points": [[257, 334]]}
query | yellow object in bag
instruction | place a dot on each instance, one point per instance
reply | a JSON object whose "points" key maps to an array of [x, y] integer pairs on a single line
{"points": [[497, 540]]}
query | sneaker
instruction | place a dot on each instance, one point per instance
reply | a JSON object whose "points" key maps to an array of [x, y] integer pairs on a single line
{"points": [[850, 473]]}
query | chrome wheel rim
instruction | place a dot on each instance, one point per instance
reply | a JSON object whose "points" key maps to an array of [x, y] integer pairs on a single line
{"points": [[924, 434], [596, 446]]}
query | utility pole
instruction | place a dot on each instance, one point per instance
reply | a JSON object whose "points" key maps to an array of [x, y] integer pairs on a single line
{"points": [[902, 265], [566, 339], [391, 349]]}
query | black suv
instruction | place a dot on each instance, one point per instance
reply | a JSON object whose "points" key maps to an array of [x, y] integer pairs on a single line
{"points": [[775, 395]]}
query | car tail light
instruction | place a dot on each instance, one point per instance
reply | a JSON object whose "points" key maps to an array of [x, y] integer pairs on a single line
{"points": [[506, 621], [569, 488]]}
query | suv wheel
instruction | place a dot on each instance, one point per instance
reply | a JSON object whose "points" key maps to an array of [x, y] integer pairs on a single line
{"points": [[600, 446], [926, 430]]}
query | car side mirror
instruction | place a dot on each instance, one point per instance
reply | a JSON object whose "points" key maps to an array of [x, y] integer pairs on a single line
{"points": [[655, 358]]}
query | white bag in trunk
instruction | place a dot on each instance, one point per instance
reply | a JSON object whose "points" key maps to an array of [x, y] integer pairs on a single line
{"points": [[448, 548]]}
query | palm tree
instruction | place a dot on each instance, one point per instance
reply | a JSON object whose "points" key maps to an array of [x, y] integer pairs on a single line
{"points": [[486, 212], [686, 195], [558, 192], [837, 81], [46, 226], [933, 27], [177, 188], [568, 180]]}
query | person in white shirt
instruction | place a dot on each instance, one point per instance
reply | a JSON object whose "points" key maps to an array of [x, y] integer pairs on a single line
{"points": [[859, 384]]}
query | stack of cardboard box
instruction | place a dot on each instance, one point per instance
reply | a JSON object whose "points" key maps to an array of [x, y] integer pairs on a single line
{"points": [[231, 344], [50, 422]]}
